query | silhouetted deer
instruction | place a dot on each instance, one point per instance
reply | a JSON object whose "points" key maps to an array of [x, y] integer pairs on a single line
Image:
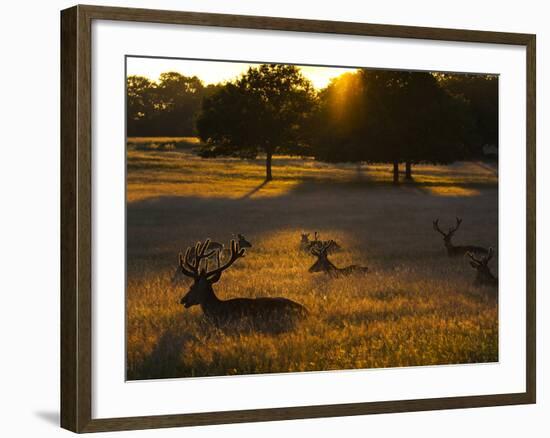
{"points": [[274, 314], [484, 276], [452, 250], [242, 242], [323, 264]]}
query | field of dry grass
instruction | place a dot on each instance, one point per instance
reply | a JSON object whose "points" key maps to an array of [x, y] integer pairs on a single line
{"points": [[416, 307]]}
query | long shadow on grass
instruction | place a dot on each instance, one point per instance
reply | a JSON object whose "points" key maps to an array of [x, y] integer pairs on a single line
{"points": [[254, 190], [165, 359], [308, 184], [158, 228]]}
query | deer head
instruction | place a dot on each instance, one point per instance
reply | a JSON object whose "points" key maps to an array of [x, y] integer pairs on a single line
{"points": [[201, 289], [484, 274], [447, 236], [322, 264], [305, 238], [243, 243]]}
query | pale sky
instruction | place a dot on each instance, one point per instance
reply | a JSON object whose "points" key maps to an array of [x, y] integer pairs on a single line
{"points": [[212, 72]]}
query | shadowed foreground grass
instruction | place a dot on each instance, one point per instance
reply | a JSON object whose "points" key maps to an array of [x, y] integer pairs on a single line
{"points": [[417, 307]]}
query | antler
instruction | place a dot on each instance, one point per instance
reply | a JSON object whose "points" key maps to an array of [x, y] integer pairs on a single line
{"points": [[474, 259], [183, 267], [319, 250], [451, 229], [489, 255], [484, 260], [458, 222], [316, 251], [191, 267], [436, 228], [236, 253]]}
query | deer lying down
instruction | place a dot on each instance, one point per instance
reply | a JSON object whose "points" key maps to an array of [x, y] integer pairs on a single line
{"points": [[323, 264], [452, 250], [272, 314], [484, 275]]}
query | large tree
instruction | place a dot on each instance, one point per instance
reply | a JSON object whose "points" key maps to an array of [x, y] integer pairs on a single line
{"points": [[265, 111], [389, 116], [433, 124]]}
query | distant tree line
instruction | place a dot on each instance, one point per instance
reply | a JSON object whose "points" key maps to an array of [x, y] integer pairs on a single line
{"points": [[164, 108], [368, 116]]}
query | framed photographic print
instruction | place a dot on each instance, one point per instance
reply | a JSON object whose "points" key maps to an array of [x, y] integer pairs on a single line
{"points": [[268, 218]]}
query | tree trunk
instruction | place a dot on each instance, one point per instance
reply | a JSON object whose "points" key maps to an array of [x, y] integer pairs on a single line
{"points": [[269, 156], [396, 172], [408, 170]]}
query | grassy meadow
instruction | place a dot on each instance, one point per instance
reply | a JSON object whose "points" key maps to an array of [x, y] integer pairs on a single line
{"points": [[415, 307]]}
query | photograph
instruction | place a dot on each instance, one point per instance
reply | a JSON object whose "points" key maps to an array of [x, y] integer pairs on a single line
{"points": [[285, 218]]}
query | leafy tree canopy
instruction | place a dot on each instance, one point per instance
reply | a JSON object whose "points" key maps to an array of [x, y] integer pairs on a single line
{"points": [[480, 92], [389, 116], [264, 111]]}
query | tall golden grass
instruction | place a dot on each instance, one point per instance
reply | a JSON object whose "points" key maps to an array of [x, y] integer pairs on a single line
{"points": [[416, 307]]}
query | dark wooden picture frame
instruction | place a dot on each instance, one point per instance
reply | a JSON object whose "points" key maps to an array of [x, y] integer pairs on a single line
{"points": [[76, 214]]}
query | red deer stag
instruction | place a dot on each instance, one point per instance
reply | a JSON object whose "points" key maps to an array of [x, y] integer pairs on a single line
{"points": [[452, 250], [484, 275], [273, 314], [323, 264]]}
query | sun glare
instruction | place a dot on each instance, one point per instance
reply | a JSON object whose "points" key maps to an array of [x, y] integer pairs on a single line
{"points": [[213, 72]]}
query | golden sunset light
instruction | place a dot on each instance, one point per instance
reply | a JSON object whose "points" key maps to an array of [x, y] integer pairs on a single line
{"points": [[345, 198], [213, 72]]}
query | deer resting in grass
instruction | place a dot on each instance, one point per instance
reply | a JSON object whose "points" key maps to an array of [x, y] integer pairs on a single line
{"points": [[484, 275], [452, 250], [241, 243], [323, 264], [273, 314]]}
